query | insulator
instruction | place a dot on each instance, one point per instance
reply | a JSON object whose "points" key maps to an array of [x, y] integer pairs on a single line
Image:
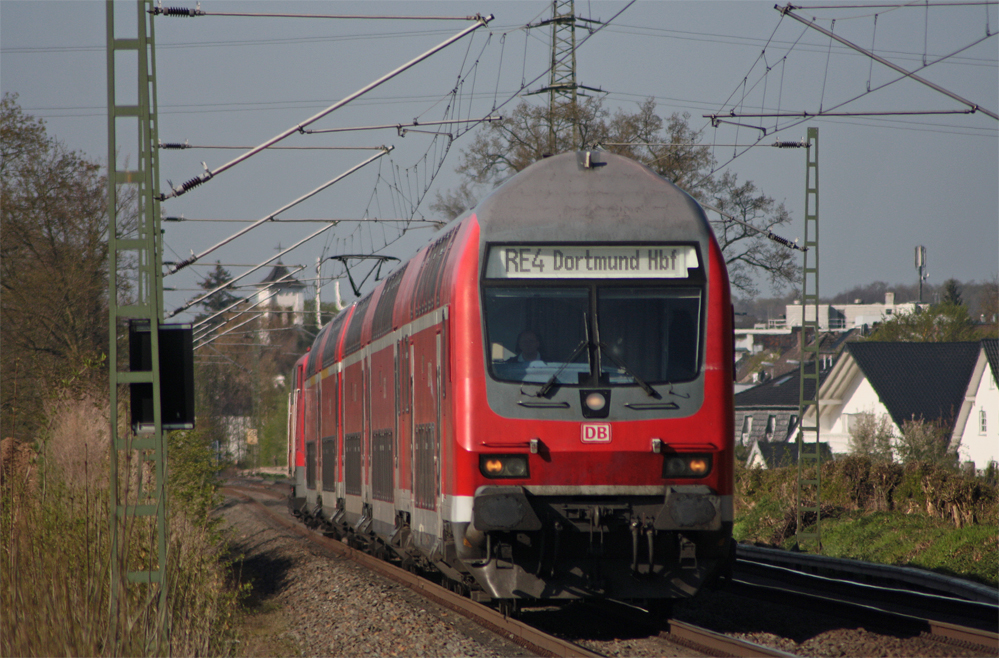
{"points": [[784, 241], [788, 145], [191, 184], [176, 11], [173, 145]]}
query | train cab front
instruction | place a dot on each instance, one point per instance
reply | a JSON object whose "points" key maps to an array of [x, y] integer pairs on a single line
{"points": [[604, 461]]}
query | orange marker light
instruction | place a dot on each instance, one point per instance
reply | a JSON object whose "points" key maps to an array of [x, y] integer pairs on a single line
{"points": [[494, 466], [699, 466]]}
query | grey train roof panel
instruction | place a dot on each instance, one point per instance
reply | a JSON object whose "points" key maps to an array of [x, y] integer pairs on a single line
{"points": [[616, 199]]}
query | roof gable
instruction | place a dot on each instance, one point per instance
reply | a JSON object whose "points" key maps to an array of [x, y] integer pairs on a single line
{"points": [[276, 273], [918, 380], [991, 347]]}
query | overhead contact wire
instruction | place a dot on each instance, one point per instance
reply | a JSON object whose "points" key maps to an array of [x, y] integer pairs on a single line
{"points": [[209, 173]]}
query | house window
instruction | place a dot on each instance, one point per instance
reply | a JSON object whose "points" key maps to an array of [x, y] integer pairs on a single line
{"points": [[771, 427], [850, 422], [982, 426], [792, 422], [747, 427]]}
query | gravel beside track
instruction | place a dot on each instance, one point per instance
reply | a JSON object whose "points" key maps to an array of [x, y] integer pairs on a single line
{"points": [[804, 632], [308, 602]]}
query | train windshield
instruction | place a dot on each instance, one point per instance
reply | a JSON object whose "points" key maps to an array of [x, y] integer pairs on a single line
{"points": [[571, 333]]}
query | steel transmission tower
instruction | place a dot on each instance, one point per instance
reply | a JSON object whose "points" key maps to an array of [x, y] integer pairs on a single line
{"points": [[562, 89]]}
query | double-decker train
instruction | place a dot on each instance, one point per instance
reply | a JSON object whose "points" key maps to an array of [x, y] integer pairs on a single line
{"points": [[537, 405]]}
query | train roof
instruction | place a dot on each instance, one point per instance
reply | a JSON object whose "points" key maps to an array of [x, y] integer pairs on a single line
{"points": [[590, 196]]}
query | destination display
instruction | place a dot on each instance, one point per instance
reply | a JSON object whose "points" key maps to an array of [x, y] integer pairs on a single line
{"points": [[590, 262]]}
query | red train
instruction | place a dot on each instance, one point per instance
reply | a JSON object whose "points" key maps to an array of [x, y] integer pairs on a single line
{"points": [[538, 404]]}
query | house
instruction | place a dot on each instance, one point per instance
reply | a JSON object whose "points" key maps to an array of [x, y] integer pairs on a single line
{"points": [[768, 412], [290, 297], [783, 355], [978, 422], [778, 455], [906, 381]]}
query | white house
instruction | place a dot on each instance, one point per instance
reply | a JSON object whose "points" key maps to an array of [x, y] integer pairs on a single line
{"points": [[290, 297], [901, 380], [978, 423]]}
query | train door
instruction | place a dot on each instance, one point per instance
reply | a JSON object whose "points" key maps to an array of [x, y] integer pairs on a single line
{"points": [[438, 401], [330, 447], [366, 426], [409, 420]]}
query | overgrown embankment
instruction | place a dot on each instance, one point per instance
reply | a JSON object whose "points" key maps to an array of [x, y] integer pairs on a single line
{"points": [[55, 547], [920, 515]]}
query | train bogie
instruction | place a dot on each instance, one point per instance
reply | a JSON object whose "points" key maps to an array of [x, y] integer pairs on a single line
{"points": [[538, 404]]}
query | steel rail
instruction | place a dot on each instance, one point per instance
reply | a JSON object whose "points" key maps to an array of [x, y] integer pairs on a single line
{"points": [[714, 644], [682, 633], [872, 616], [868, 572], [511, 629]]}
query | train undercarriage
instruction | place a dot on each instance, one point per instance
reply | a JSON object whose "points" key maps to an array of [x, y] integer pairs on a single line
{"points": [[524, 548]]}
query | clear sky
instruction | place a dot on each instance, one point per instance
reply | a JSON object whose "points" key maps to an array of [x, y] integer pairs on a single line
{"points": [[887, 183]]}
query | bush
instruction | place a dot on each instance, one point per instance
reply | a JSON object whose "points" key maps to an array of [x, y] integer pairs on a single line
{"points": [[882, 512], [924, 441], [872, 436]]}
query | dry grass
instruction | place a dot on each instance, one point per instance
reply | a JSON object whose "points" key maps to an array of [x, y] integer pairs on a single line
{"points": [[55, 546]]}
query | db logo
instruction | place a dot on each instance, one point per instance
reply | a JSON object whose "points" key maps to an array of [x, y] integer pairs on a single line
{"points": [[596, 433]]}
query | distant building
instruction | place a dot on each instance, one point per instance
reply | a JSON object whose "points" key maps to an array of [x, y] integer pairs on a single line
{"points": [[840, 317], [768, 412], [289, 302]]}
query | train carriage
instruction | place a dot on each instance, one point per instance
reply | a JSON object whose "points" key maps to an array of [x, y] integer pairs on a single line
{"points": [[539, 404]]}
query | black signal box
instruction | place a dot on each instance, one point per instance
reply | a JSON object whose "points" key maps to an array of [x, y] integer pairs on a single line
{"points": [[176, 351]]}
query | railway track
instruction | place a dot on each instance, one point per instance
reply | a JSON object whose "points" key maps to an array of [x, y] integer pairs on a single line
{"points": [[551, 633], [681, 635], [872, 609], [526, 636]]}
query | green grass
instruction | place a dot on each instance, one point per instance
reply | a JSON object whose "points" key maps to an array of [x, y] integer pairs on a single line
{"points": [[916, 515], [893, 538]]}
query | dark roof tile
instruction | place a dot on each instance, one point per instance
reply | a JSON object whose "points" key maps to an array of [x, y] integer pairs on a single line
{"points": [[918, 380]]}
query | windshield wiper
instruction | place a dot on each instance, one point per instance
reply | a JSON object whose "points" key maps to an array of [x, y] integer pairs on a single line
{"points": [[620, 364], [543, 391], [602, 347]]}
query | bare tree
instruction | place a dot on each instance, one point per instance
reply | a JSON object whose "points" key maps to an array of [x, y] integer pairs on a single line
{"points": [[668, 146], [53, 264]]}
